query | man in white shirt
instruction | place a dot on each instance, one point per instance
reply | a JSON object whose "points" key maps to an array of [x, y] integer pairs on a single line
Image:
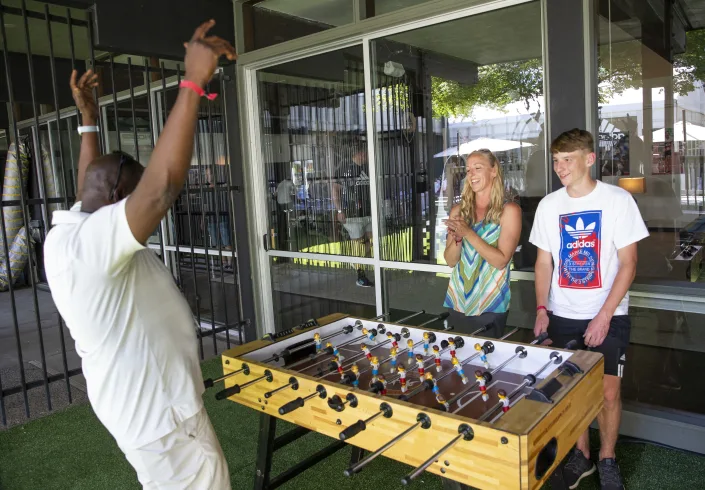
{"points": [[586, 234], [133, 328]]}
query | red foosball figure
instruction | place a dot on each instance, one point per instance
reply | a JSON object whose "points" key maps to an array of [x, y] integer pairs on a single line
{"points": [[366, 350], [402, 378], [391, 337], [451, 346], [336, 359], [419, 364], [381, 379], [504, 399], [481, 381], [437, 355]]}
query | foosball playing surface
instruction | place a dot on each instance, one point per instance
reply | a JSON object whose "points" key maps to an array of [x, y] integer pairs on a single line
{"points": [[488, 413]]}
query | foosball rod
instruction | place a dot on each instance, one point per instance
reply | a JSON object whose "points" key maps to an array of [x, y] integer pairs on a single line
{"points": [[422, 420], [445, 349], [384, 409], [394, 379], [404, 333], [422, 388], [234, 390], [520, 352], [299, 402], [293, 383], [208, 383], [345, 330], [465, 432], [350, 341], [529, 380]]}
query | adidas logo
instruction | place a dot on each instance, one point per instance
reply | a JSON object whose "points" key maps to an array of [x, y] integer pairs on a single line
{"points": [[580, 231], [582, 244]]}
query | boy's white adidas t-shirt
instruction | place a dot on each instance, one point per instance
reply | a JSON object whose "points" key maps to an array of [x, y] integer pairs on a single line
{"points": [[583, 235]]}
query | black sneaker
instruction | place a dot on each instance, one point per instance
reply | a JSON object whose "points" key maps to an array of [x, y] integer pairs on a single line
{"points": [[577, 468], [610, 477], [362, 280]]}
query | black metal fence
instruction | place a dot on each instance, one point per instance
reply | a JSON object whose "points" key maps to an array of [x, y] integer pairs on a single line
{"points": [[39, 149]]}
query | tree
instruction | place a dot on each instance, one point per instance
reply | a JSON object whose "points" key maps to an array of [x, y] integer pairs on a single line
{"points": [[619, 69]]}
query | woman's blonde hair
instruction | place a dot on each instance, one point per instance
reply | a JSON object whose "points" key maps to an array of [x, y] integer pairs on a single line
{"points": [[467, 203]]}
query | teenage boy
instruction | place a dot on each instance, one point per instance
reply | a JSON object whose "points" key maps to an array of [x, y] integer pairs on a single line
{"points": [[586, 234]]}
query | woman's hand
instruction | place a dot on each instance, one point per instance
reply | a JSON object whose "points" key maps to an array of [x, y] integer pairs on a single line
{"points": [[459, 228]]}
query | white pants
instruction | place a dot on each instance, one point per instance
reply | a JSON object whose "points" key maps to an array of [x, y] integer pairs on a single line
{"points": [[358, 227], [190, 458]]}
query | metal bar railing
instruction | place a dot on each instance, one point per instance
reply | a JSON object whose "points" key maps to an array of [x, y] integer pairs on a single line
{"points": [[115, 104], [63, 174], [42, 181], [103, 142]]}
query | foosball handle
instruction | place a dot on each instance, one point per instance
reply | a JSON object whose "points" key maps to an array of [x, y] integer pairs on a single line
{"points": [[540, 339], [570, 369], [572, 345], [227, 392], [208, 383], [353, 430], [291, 406]]}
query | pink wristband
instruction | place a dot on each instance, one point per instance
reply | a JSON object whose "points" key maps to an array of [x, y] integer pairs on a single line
{"points": [[193, 86]]}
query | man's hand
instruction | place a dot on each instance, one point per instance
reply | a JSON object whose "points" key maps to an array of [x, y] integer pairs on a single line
{"points": [[541, 324], [82, 92], [202, 54], [597, 330]]}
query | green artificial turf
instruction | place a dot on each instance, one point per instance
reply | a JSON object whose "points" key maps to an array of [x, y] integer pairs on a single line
{"points": [[71, 450]]}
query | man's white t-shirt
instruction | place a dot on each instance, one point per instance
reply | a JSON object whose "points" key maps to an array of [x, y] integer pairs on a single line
{"points": [[134, 330], [583, 235]]}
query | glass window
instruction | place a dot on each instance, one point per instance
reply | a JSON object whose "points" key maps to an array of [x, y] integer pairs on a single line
{"points": [[314, 152], [304, 289], [652, 129], [406, 292], [442, 92]]}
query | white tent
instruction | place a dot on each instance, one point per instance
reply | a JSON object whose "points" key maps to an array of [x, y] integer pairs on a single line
{"points": [[494, 145], [693, 133]]}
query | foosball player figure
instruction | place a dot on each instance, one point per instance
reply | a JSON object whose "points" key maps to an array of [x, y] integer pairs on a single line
{"points": [[426, 343], [402, 378], [393, 359], [384, 384], [459, 369], [437, 355], [369, 334], [366, 350], [483, 357], [419, 365], [482, 381], [375, 368], [390, 336], [317, 340], [410, 353], [504, 399], [451, 346], [336, 360], [437, 391], [356, 372], [336, 351]]}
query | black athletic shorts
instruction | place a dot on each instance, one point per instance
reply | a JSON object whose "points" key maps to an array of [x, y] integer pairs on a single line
{"points": [[613, 348], [466, 325]]}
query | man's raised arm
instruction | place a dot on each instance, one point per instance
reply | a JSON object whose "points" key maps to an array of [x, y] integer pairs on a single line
{"points": [[168, 166], [82, 92]]}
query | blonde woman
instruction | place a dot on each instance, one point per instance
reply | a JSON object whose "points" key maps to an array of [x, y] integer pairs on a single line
{"points": [[483, 233]]}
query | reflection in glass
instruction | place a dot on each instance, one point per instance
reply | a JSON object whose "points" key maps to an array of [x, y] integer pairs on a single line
{"points": [[407, 292], [442, 92], [652, 132], [304, 289], [315, 155]]}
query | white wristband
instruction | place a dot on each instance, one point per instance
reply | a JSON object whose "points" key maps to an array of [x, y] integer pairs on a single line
{"points": [[88, 129]]}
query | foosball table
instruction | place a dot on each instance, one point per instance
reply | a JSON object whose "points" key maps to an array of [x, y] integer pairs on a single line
{"points": [[487, 413]]}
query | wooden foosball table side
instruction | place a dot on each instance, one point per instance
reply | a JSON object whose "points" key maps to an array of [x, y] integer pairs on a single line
{"points": [[551, 430], [490, 460]]}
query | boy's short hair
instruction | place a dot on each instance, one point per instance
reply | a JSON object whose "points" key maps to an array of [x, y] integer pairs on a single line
{"points": [[573, 140]]}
